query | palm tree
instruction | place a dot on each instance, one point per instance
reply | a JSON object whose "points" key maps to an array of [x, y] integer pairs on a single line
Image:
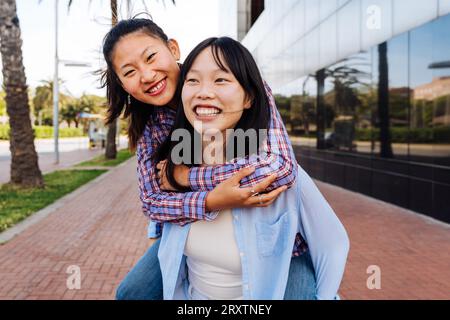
{"points": [[24, 160], [111, 148]]}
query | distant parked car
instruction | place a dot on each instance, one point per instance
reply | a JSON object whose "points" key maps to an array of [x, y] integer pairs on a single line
{"points": [[330, 140]]}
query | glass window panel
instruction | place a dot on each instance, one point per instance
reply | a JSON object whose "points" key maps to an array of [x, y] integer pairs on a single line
{"points": [[376, 21], [349, 32], [441, 90], [297, 104], [444, 7], [399, 93], [409, 14], [327, 7], [421, 82], [312, 16], [348, 102], [328, 44], [312, 51]]}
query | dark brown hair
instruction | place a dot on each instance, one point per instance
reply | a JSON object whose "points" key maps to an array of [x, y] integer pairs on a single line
{"points": [[135, 111], [242, 65]]}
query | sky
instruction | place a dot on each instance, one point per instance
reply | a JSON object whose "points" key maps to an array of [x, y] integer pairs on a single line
{"points": [[82, 29]]}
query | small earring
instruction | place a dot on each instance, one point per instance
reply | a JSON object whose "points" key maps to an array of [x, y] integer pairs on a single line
{"points": [[129, 100]]}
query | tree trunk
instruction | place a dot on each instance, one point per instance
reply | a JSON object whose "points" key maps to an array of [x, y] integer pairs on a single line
{"points": [[111, 148], [24, 160]]}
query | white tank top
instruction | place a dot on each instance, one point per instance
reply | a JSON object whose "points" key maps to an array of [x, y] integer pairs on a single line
{"points": [[213, 260]]}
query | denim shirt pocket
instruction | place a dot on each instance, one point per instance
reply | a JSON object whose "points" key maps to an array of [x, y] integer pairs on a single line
{"points": [[271, 235]]}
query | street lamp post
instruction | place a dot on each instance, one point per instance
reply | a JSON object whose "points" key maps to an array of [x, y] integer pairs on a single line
{"points": [[67, 63], [56, 90]]}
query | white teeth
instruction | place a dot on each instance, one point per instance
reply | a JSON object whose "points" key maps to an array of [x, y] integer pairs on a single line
{"points": [[157, 87], [206, 111]]}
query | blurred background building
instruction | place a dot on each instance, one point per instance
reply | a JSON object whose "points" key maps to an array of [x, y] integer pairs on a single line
{"points": [[363, 87]]}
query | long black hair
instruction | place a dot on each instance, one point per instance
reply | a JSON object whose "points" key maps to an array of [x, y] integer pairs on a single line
{"points": [[136, 111], [231, 53]]}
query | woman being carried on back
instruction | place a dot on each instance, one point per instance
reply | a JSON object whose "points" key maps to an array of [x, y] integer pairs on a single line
{"points": [[142, 77]]}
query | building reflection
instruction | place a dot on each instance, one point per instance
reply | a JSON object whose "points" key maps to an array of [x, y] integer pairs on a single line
{"points": [[363, 88], [382, 117]]}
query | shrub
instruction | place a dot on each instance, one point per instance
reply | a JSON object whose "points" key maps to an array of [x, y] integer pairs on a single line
{"points": [[4, 132], [405, 135], [43, 132]]}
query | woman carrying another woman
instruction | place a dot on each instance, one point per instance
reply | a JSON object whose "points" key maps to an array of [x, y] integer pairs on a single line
{"points": [[141, 78]]}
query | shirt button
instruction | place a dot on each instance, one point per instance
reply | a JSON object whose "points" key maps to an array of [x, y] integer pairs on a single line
{"points": [[236, 217], [241, 254], [245, 286]]}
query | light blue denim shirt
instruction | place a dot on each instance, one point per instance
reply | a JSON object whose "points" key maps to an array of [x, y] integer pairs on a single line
{"points": [[265, 238]]}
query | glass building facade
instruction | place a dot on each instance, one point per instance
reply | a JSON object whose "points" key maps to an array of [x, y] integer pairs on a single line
{"points": [[364, 89]]}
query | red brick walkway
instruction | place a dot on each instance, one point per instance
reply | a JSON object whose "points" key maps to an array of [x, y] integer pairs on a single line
{"points": [[103, 231]]}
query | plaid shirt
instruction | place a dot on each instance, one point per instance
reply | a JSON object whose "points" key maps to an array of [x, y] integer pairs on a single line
{"points": [[164, 206]]}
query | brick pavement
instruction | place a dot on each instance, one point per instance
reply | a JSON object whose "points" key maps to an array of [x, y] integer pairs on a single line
{"points": [[412, 251], [103, 231]]}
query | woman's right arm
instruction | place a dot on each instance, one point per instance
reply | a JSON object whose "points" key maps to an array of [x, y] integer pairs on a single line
{"points": [[160, 205], [182, 208]]}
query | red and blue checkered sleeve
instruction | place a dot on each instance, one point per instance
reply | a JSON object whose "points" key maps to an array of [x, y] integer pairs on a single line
{"points": [[276, 156], [162, 206]]}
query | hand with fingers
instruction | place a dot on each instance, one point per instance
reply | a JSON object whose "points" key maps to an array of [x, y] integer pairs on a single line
{"points": [[229, 194]]}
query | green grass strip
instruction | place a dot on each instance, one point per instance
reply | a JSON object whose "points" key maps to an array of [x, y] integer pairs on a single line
{"points": [[122, 155], [16, 204]]}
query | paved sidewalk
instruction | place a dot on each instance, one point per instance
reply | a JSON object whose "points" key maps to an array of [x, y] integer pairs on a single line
{"points": [[103, 231], [411, 250]]}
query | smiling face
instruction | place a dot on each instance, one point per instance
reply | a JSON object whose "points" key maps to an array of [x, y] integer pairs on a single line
{"points": [[147, 67], [211, 96]]}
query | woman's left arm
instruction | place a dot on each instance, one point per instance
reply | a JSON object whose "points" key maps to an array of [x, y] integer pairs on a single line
{"points": [[278, 157], [327, 239]]}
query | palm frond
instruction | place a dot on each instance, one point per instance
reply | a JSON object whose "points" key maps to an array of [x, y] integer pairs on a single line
{"points": [[69, 4], [163, 1]]}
